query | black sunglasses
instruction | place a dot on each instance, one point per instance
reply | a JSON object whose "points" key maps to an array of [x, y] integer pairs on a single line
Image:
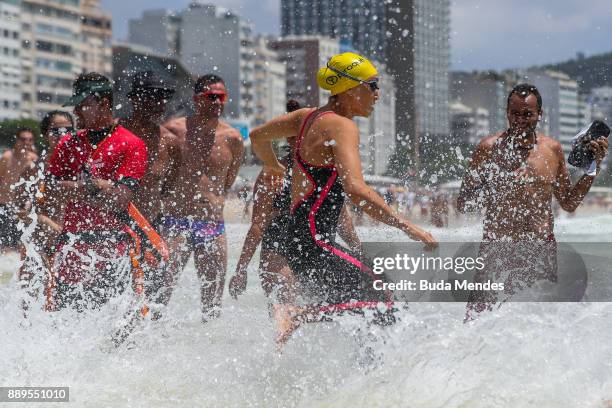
{"points": [[61, 131], [373, 83]]}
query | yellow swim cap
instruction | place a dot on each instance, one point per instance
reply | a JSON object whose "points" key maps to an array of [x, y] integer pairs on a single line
{"points": [[336, 76]]}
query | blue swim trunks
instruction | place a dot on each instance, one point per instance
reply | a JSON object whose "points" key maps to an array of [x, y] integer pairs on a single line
{"points": [[197, 232]]}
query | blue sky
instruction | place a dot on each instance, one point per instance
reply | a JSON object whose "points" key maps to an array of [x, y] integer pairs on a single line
{"points": [[485, 33]]}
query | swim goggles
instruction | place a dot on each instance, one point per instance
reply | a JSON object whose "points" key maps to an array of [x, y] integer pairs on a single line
{"points": [[373, 84], [214, 96]]}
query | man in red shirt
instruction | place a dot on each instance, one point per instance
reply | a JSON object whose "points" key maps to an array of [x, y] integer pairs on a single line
{"points": [[96, 171]]}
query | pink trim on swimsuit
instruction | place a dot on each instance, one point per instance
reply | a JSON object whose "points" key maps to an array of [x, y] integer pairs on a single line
{"points": [[324, 245], [313, 213], [299, 160], [350, 306]]}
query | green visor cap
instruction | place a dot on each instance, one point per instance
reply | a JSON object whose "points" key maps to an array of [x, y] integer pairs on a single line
{"points": [[80, 93]]}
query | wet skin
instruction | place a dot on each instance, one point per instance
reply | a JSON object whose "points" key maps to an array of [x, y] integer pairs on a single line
{"points": [[514, 175], [212, 152]]}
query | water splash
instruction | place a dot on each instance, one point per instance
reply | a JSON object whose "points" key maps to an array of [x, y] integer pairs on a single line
{"points": [[520, 355]]}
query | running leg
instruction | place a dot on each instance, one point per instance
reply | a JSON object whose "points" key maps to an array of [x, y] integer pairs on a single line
{"points": [[211, 265]]}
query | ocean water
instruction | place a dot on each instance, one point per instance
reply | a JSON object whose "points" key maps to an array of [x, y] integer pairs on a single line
{"points": [[523, 354]]}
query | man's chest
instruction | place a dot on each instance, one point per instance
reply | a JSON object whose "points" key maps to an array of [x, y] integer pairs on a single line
{"points": [[541, 171], [515, 170], [211, 161]]}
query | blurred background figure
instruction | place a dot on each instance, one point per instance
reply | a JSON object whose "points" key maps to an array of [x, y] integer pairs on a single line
{"points": [[13, 163]]}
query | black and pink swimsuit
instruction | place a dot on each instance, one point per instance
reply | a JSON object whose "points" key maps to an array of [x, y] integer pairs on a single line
{"points": [[332, 273]]}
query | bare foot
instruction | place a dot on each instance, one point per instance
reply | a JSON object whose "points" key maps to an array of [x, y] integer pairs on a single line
{"points": [[287, 321]]}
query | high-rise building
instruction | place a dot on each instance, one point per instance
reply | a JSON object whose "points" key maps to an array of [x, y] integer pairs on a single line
{"points": [[208, 40], [303, 56], [60, 39], [51, 34], [269, 83], [247, 70], [431, 65], [97, 37], [400, 53], [361, 22], [10, 61], [559, 103], [211, 43], [476, 90], [411, 37], [157, 29]]}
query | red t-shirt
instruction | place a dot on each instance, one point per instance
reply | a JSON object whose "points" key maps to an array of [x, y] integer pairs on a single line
{"points": [[120, 155]]}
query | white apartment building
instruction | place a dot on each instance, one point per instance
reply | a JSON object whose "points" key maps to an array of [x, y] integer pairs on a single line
{"points": [[97, 38], [561, 108], [60, 40], [269, 83], [51, 34], [157, 29], [247, 70], [10, 61]]}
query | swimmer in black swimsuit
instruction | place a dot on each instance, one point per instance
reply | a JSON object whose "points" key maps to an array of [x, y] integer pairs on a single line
{"points": [[328, 168], [271, 213], [331, 272]]}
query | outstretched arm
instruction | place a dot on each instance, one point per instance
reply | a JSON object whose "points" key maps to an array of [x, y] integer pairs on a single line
{"points": [[569, 196], [348, 163]]}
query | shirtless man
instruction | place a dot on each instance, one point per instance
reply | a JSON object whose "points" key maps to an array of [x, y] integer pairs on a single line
{"points": [[513, 175], [149, 96], [212, 154], [13, 163]]}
